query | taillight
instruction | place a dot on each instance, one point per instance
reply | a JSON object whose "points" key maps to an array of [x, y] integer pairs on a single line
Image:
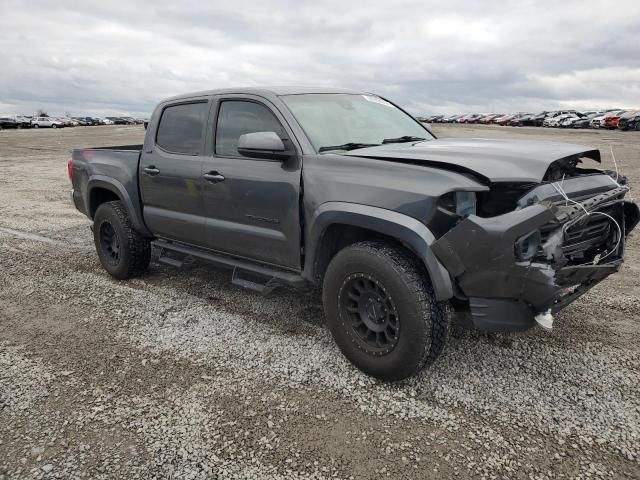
{"points": [[70, 168]]}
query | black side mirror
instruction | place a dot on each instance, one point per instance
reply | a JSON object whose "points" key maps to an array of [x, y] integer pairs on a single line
{"points": [[266, 145]]}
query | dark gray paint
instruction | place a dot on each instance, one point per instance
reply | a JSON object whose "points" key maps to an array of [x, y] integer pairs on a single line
{"points": [[275, 212], [496, 160]]}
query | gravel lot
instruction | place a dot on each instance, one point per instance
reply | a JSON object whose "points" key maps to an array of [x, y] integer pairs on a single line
{"points": [[181, 375]]}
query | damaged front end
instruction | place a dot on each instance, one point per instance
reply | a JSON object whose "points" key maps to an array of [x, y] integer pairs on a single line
{"points": [[561, 238]]}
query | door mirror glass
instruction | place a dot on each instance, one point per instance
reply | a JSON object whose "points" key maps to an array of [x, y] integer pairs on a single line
{"points": [[261, 145]]}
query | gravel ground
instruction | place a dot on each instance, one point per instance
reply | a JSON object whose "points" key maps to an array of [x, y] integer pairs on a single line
{"points": [[181, 375]]}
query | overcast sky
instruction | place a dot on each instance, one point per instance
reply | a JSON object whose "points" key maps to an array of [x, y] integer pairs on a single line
{"points": [[429, 56]]}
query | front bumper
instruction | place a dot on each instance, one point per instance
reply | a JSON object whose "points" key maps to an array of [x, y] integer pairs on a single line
{"points": [[499, 291]]}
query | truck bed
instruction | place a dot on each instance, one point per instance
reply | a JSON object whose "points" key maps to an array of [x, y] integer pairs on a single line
{"points": [[100, 172]]}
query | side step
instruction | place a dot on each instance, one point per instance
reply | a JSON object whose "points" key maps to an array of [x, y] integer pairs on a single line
{"points": [[254, 284], [241, 268]]}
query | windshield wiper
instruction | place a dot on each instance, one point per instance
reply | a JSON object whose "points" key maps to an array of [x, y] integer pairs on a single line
{"points": [[347, 146], [404, 138]]}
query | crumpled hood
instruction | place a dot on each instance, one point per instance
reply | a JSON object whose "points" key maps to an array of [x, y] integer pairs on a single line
{"points": [[495, 159]]}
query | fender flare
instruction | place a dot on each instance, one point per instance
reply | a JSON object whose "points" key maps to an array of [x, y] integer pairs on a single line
{"points": [[409, 231], [133, 209]]}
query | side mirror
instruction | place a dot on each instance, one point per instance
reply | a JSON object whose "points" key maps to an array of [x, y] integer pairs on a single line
{"points": [[266, 145]]}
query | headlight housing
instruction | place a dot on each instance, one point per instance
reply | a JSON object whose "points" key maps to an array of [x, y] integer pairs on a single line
{"points": [[527, 246], [459, 203]]}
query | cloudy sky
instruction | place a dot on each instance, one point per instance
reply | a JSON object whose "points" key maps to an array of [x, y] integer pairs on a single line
{"points": [[429, 56]]}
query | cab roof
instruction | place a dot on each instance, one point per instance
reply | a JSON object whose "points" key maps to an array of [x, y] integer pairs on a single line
{"points": [[265, 91]]}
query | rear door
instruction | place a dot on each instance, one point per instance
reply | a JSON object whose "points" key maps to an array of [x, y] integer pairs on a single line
{"points": [[252, 205], [170, 172]]}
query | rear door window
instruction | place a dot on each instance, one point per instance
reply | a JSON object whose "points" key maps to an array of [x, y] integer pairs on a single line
{"points": [[181, 128]]}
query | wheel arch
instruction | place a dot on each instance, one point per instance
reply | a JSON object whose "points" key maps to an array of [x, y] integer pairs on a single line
{"points": [[336, 225], [102, 189]]}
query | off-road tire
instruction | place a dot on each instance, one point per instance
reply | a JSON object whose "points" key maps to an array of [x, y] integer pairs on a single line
{"points": [[423, 323], [134, 249]]}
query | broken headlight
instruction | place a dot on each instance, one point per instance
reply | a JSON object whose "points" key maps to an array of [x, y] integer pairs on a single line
{"points": [[527, 246], [460, 203]]}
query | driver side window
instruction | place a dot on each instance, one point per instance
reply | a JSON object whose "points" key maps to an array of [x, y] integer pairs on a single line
{"points": [[237, 117]]}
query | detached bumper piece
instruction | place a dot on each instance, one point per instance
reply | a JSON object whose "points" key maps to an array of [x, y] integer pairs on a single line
{"points": [[535, 260]]}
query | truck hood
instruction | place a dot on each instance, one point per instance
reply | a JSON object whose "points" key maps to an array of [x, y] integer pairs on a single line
{"points": [[494, 159]]}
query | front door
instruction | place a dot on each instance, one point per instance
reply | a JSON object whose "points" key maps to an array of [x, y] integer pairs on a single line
{"points": [[252, 205], [170, 174]]}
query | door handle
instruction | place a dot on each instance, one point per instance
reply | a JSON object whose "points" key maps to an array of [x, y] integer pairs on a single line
{"points": [[213, 177], [151, 170]]}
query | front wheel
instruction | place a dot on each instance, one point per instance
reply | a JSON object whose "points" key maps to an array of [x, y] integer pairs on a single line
{"points": [[123, 252], [382, 312], [54, 126]]}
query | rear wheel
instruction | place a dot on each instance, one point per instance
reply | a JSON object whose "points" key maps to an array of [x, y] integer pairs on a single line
{"points": [[35, 125], [54, 126], [123, 252], [382, 312]]}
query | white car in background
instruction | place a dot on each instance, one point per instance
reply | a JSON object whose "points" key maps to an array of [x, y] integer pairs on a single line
{"points": [[569, 121], [596, 122], [46, 122], [106, 121], [69, 122], [555, 121]]}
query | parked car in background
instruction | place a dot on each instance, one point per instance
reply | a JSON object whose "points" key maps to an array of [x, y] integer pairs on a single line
{"points": [[596, 122], [488, 118], [610, 120], [537, 119], [85, 121], [585, 122], [7, 122], [631, 123], [555, 121], [69, 122], [623, 121], [46, 122], [515, 120], [505, 119], [20, 120], [451, 118], [568, 122], [566, 118]]}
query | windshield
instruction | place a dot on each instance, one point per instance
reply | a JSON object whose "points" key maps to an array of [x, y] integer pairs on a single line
{"points": [[352, 120]]}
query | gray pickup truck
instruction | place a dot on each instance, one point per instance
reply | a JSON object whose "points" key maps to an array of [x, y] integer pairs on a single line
{"points": [[344, 190]]}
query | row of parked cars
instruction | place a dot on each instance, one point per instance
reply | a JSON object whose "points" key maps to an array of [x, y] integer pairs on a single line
{"points": [[23, 121], [611, 119]]}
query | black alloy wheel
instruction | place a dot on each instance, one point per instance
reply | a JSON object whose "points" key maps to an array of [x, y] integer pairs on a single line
{"points": [[110, 243], [371, 313]]}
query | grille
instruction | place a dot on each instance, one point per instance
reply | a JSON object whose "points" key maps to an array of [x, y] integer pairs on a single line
{"points": [[587, 238]]}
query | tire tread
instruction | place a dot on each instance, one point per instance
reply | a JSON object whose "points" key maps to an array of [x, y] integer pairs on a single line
{"points": [[139, 247]]}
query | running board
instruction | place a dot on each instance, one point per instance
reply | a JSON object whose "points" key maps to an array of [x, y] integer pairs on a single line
{"points": [[273, 275], [255, 284]]}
